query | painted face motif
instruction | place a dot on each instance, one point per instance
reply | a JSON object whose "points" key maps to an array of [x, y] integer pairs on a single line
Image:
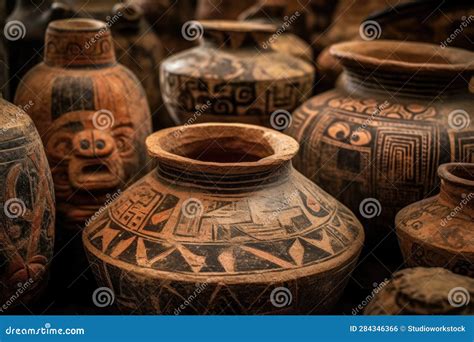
{"points": [[90, 158]]}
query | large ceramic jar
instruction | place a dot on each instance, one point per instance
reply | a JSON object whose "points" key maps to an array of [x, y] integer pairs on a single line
{"points": [[424, 291], [275, 12], [136, 46], [224, 215], [229, 77], [437, 231], [375, 142], [24, 35], [91, 113], [27, 209]]}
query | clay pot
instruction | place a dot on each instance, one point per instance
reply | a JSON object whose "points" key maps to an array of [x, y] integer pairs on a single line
{"points": [[437, 231], [167, 18], [275, 13], [375, 142], [230, 77], [224, 216], [424, 291], [92, 115], [28, 213], [24, 35], [136, 46]]}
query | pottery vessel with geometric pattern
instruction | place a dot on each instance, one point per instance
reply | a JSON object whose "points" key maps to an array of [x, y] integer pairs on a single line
{"points": [[91, 113], [437, 231], [27, 210], [375, 142], [224, 224], [231, 77]]}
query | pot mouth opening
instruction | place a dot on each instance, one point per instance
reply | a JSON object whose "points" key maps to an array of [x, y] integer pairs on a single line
{"points": [[403, 56], [78, 25], [458, 173], [220, 145], [236, 26]]}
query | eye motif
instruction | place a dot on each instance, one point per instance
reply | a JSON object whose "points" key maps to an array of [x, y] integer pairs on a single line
{"points": [[342, 131]]}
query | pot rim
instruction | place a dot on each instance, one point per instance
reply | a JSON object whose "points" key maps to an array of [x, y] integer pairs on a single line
{"points": [[364, 53], [77, 25], [159, 145], [237, 26], [445, 172]]}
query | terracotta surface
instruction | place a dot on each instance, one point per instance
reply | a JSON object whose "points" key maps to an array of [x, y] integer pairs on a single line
{"points": [[229, 77], [401, 110], [437, 231], [136, 46], [224, 212], [424, 291], [28, 214], [276, 13], [26, 26], [91, 113]]}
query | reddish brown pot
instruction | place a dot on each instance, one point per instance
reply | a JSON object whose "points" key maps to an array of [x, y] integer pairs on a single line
{"points": [[92, 115], [136, 46], [400, 110], [27, 214], [437, 231], [224, 214], [229, 77], [424, 291]]}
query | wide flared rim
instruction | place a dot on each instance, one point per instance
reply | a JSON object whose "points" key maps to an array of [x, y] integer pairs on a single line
{"points": [[160, 144], [403, 56]]}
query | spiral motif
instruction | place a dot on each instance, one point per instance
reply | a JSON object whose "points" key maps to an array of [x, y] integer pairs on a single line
{"points": [[459, 119], [14, 208], [370, 30], [280, 119], [103, 119], [370, 207], [281, 297], [14, 30], [459, 296], [192, 207], [103, 296], [192, 30]]}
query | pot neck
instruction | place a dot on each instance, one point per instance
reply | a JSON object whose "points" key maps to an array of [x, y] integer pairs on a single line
{"points": [[234, 34], [222, 158], [79, 43], [457, 186]]}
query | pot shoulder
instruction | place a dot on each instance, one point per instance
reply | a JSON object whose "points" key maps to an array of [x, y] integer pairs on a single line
{"points": [[288, 231]]}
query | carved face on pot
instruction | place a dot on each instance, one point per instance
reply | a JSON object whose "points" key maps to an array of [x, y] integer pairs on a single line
{"points": [[92, 152]]}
